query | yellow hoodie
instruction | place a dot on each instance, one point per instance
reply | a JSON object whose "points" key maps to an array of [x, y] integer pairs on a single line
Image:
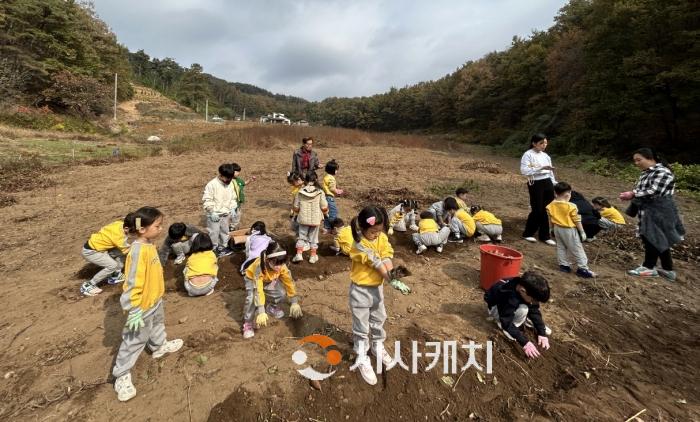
{"points": [[260, 278], [367, 257], [428, 225], [485, 217], [144, 285], [109, 237], [202, 263], [467, 221], [613, 215], [344, 239]]}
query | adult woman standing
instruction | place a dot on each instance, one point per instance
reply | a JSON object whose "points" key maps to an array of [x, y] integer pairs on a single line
{"points": [[660, 226], [305, 159], [537, 167]]}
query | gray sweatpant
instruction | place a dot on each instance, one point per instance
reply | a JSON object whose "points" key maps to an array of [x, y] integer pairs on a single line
{"points": [[219, 231], [519, 316], [308, 236], [368, 316], [235, 218], [432, 239], [193, 290], [569, 242], [110, 261], [408, 220], [606, 224], [458, 229], [182, 248], [133, 343], [274, 293], [490, 230]]}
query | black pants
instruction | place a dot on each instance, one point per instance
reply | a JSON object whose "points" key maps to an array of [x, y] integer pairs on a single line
{"points": [[651, 255], [541, 194], [591, 229]]}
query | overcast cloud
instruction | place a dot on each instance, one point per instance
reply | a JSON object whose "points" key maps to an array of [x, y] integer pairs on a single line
{"points": [[318, 49]]}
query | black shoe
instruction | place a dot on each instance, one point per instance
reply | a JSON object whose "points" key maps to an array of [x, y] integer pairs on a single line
{"points": [[565, 269], [455, 239]]}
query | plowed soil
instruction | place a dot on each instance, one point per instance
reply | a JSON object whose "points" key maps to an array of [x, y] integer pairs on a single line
{"points": [[620, 345]]}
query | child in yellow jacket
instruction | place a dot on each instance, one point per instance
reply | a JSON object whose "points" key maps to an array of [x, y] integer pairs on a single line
{"points": [[490, 227], [610, 217], [202, 267], [143, 300], [268, 278], [107, 249], [342, 241], [371, 256]]}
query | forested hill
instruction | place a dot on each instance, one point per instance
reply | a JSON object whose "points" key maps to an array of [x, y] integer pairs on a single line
{"points": [[191, 86], [609, 76], [59, 54]]}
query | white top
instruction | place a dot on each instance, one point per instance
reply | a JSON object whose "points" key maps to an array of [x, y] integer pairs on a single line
{"points": [[219, 198], [531, 165]]}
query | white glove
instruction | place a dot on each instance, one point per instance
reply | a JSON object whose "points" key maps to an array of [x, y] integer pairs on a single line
{"points": [[583, 236], [390, 231], [295, 311], [213, 217]]}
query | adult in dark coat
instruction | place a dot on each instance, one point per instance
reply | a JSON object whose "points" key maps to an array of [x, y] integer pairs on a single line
{"points": [[589, 216], [305, 159]]}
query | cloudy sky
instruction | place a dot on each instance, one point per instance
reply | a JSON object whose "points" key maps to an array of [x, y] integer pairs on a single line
{"points": [[316, 49]]}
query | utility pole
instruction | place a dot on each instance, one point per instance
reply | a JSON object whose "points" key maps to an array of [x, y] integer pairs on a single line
{"points": [[115, 96], [206, 110]]}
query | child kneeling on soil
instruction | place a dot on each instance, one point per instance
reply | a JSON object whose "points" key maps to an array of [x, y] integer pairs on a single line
{"points": [[143, 300], [178, 242], [255, 244], [402, 216], [610, 217], [487, 224], [371, 256], [564, 221], [342, 241], [311, 208], [515, 302], [268, 278], [202, 268], [461, 224], [430, 233], [106, 249]]}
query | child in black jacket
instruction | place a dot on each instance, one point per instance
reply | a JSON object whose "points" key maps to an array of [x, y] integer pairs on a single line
{"points": [[515, 302]]}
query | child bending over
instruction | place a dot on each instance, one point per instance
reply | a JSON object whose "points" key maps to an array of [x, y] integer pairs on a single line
{"points": [[610, 217], [430, 233], [178, 242], [490, 227], [106, 249], [202, 268]]}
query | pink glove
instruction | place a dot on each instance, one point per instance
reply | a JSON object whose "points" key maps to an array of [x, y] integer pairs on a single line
{"points": [[531, 350], [254, 178], [626, 196], [543, 342]]}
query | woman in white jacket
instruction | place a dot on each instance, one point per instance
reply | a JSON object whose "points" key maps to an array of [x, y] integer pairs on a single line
{"points": [[536, 165]]}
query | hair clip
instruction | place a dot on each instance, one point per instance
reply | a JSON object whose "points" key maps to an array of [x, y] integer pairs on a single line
{"points": [[138, 223], [276, 254], [371, 221]]}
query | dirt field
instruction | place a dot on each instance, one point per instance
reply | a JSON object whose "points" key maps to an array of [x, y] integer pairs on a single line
{"points": [[620, 345]]}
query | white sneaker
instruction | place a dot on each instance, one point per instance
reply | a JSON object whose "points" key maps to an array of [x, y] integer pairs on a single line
{"points": [[124, 387], [387, 360], [547, 330], [307, 248], [439, 249], [499, 238], [89, 289], [421, 249], [531, 239], [171, 346], [180, 259], [297, 258], [364, 364], [550, 242], [248, 331], [313, 259], [334, 248], [483, 238]]}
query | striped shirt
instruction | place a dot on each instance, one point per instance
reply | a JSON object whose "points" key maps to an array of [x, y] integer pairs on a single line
{"points": [[655, 181]]}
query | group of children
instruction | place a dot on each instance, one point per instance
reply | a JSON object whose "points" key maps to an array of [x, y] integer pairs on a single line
{"points": [[269, 282]]}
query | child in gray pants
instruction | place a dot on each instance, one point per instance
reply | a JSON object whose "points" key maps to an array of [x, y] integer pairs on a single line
{"points": [[430, 234]]}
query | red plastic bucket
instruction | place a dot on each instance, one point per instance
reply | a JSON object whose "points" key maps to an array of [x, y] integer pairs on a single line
{"points": [[498, 262]]}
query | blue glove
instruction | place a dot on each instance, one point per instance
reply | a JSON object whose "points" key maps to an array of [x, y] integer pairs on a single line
{"points": [[134, 321], [213, 217]]}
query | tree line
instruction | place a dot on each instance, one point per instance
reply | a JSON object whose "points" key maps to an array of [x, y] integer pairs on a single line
{"points": [[607, 77]]}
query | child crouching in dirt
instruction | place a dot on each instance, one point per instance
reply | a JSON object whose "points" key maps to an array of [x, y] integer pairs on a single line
{"points": [[514, 303], [342, 241], [461, 223], [489, 227], [178, 242], [403, 216], [371, 257], [310, 207], [257, 241], [610, 217], [268, 278], [564, 221], [143, 300], [430, 233], [106, 249], [202, 267]]}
